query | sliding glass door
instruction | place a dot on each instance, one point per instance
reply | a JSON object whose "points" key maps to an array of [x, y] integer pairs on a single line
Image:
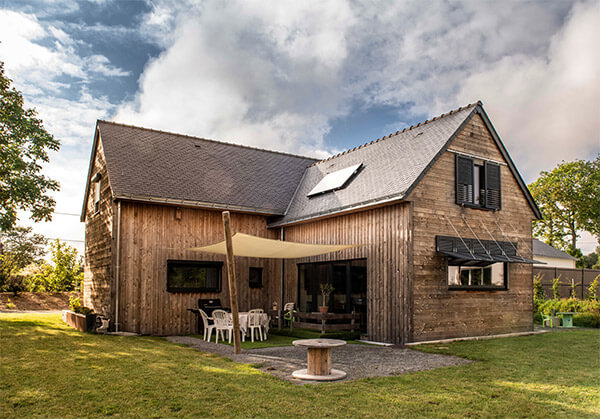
{"points": [[349, 281]]}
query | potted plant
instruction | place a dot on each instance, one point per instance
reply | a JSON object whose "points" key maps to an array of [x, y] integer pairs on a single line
{"points": [[80, 317], [326, 290]]}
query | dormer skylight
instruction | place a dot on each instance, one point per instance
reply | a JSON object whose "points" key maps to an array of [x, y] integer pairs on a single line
{"points": [[335, 180]]}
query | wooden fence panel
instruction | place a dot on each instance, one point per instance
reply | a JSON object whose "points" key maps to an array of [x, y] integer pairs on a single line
{"points": [[582, 278]]}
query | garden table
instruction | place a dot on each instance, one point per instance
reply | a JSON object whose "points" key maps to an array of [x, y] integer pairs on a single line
{"points": [[264, 321], [318, 365], [567, 319]]}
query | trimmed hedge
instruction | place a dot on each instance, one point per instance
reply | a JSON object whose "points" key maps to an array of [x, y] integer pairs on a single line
{"points": [[587, 320], [570, 305], [588, 311]]}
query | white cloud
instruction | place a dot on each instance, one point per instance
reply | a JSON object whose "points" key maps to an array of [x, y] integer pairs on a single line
{"points": [[40, 58], [546, 108], [277, 76], [267, 76], [38, 55]]}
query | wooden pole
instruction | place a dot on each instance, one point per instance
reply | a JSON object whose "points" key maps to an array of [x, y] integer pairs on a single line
{"points": [[232, 284]]}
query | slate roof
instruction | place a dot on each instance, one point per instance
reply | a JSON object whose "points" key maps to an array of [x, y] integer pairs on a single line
{"points": [[144, 163], [158, 166], [542, 249], [392, 165]]}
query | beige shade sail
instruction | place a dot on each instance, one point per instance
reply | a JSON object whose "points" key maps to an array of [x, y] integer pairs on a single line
{"points": [[258, 247]]}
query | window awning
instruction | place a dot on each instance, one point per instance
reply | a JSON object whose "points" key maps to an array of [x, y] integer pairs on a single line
{"points": [[259, 247], [474, 252]]}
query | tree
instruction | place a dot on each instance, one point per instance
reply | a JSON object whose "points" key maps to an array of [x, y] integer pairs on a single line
{"points": [[18, 248], [569, 198], [67, 273], [24, 146], [590, 260]]}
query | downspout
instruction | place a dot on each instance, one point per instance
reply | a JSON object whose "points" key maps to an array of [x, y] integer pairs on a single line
{"points": [[118, 266], [281, 294]]}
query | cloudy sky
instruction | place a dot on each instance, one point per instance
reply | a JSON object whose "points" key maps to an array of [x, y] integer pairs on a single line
{"points": [[310, 77]]}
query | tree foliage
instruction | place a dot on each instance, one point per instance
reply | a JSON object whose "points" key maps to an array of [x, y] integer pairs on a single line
{"points": [[24, 147], [22, 267], [569, 198], [18, 248], [67, 273]]}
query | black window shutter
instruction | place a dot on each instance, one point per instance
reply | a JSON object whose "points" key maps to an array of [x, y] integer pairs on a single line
{"points": [[492, 186], [464, 180]]}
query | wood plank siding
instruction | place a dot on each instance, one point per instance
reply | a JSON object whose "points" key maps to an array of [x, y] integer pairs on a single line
{"points": [[98, 265], [386, 237], [151, 235], [408, 298], [442, 313]]}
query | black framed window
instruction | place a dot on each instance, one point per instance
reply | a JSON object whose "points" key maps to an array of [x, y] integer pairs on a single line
{"points": [[491, 277], [193, 276], [478, 183], [255, 277]]}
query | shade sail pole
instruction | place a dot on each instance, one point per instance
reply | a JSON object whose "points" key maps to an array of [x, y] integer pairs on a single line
{"points": [[232, 283], [281, 284]]}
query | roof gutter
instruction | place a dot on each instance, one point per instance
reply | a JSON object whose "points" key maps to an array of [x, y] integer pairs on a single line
{"points": [[196, 204], [343, 210]]}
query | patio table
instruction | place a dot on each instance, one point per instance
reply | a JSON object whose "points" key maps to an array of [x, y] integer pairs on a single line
{"points": [[318, 365], [567, 319], [263, 319]]}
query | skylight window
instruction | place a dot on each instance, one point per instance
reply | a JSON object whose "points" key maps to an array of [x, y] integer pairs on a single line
{"points": [[335, 180]]}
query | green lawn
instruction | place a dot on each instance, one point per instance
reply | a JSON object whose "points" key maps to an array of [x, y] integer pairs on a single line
{"points": [[47, 369]]}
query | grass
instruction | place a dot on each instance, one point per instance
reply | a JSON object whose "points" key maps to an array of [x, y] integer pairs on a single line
{"points": [[273, 340], [47, 369]]}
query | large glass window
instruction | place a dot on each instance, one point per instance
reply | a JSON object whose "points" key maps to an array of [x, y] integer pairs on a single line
{"points": [[193, 276], [349, 281], [478, 277]]}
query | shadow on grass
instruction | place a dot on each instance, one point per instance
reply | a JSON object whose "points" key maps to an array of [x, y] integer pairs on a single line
{"points": [[51, 370]]}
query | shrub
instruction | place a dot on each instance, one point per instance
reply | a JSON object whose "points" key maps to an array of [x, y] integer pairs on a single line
{"points": [[586, 320], [10, 305], [15, 284], [593, 289], [570, 305], [556, 287], [573, 289], [77, 307]]}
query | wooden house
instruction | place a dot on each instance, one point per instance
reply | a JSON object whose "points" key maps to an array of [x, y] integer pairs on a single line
{"points": [[443, 216]]}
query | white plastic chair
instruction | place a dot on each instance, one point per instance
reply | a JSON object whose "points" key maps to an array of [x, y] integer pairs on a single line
{"points": [[223, 322], [208, 328], [256, 310], [254, 324]]}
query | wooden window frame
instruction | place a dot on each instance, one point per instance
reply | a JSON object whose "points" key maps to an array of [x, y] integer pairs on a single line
{"points": [[487, 167], [198, 264], [97, 195], [260, 273]]}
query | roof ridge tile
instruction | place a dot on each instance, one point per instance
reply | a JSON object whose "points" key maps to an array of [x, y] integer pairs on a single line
{"points": [[478, 103], [157, 131]]}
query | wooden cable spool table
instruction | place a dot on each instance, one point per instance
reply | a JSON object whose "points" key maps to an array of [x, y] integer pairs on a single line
{"points": [[318, 365]]}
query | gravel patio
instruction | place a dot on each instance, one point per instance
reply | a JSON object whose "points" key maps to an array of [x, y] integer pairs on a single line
{"points": [[357, 360]]}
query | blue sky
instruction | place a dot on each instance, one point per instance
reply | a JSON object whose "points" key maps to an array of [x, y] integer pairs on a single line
{"points": [[308, 77]]}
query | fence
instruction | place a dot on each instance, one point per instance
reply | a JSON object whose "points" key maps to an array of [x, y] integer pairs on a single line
{"points": [[581, 278]]}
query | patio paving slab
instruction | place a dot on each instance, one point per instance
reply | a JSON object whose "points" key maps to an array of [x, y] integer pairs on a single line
{"points": [[358, 361]]}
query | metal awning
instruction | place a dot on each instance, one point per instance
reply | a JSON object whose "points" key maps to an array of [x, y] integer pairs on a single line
{"points": [[475, 252]]}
